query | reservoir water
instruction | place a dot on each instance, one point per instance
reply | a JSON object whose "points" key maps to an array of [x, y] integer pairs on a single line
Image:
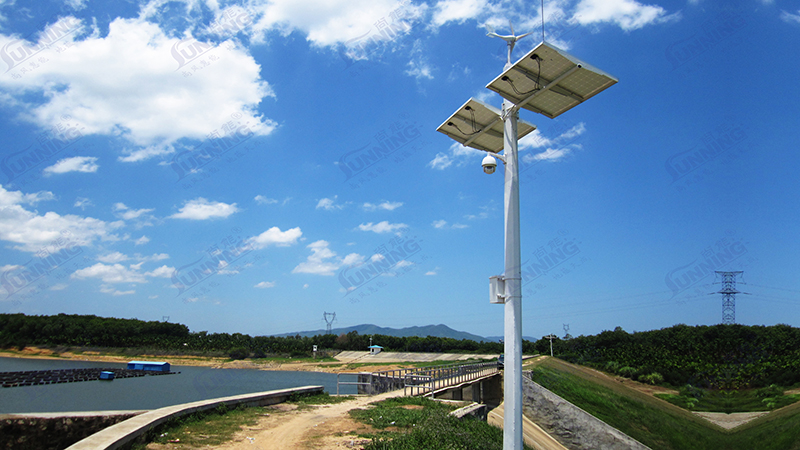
{"points": [[192, 384]]}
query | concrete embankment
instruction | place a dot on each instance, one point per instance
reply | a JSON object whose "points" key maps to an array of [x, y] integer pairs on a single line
{"points": [[569, 424], [42, 431], [136, 428]]}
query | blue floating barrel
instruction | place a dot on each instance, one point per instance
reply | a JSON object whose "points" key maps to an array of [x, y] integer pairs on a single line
{"points": [[106, 375]]}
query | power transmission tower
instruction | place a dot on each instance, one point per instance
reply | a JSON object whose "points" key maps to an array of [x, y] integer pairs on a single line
{"points": [[728, 292], [566, 332], [328, 322]]}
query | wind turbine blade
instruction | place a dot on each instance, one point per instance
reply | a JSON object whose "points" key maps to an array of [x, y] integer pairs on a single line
{"points": [[489, 29], [512, 27], [526, 34]]}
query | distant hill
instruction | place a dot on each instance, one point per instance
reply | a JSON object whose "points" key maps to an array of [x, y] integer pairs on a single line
{"points": [[428, 330]]}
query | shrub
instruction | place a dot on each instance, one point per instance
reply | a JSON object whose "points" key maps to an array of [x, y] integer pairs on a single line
{"points": [[653, 378], [627, 372], [238, 353]]}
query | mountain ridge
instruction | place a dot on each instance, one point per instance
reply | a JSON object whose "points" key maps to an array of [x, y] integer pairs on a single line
{"points": [[439, 330]]}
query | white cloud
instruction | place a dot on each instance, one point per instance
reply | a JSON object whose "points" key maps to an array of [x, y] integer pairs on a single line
{"points": [[320, 262], [329, 204], [261, 200], [130, 83], [385, 205], [82, 203], [59, 287], [86, 164], [265, 284], [331, 22], [440, 162], [142, 240], [457, 10], [202, 209], [789, 17], [114, 273], [274, 236], [161, 272], [442, 225], [125, 213], [628, 14], [9, 198], [113, 258], [382, 227], [110, 290], [33, 231], [141, 154]]}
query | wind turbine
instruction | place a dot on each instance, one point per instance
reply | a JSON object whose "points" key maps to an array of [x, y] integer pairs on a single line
{"points": [[510, 40]]}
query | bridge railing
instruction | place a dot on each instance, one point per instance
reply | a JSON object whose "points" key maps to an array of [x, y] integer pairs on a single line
{"points": [[427, 380], [419, 380]]}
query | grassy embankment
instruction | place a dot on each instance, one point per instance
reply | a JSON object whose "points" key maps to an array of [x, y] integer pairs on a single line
{"points": [[659, 424], [415, 423]]}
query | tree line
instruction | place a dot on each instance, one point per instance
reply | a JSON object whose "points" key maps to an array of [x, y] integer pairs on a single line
{"points": [[19, 330], [719, 357]]}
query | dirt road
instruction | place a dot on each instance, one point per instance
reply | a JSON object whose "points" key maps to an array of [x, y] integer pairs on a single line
{"points": [[320, 427], [532, 434]]}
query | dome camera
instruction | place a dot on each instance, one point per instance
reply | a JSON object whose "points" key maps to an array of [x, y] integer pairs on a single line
{"points": [[489, 164]]}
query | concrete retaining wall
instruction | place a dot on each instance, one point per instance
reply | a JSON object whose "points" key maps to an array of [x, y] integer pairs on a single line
{"points": [[130, 430], [49, 431], [571, 426]]}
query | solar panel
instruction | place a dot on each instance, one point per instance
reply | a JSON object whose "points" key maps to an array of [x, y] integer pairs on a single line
{"points": [[550, 81], [480, 126]]}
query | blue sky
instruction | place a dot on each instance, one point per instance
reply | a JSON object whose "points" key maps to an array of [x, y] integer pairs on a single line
{"points": [[213, 162]]}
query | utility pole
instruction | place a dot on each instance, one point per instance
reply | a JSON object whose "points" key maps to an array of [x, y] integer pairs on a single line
{"points": [[551, 337], [728, 292]]}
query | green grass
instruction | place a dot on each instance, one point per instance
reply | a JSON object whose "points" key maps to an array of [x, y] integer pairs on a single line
{"points": [[217, 426], [730, 401], [426, 425], [211, 428], [657, 427], [660, 425]]}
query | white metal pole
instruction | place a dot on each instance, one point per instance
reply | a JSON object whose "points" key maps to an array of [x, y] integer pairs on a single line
{"points": [[512, 383]]}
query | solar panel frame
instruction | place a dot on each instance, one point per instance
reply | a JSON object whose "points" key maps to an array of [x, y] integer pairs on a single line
{"points": [[485, 132], [551, 85]]}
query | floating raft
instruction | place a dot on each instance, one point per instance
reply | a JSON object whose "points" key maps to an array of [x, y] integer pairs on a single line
{"points": [[38, 377]]}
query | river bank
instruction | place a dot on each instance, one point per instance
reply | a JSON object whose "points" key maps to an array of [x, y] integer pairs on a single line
{"points": [[345, 362]]}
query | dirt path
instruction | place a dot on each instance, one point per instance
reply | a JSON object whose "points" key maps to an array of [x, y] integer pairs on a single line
{"points": [[321, 427]]}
